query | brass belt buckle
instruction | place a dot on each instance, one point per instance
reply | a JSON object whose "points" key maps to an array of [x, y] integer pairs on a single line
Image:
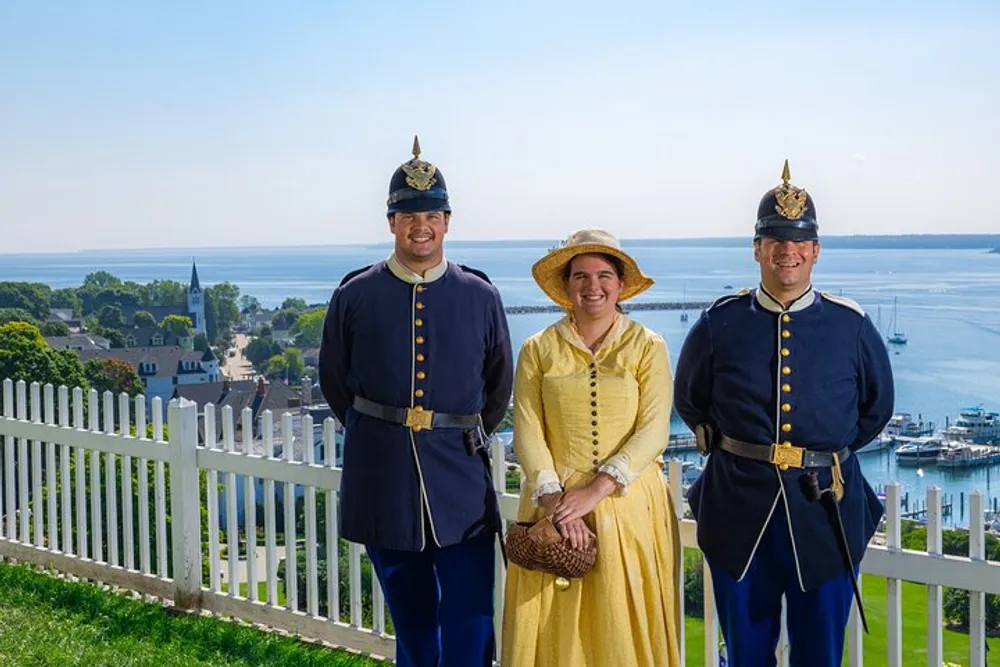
{"points": [[787, 456], [418, 418]]}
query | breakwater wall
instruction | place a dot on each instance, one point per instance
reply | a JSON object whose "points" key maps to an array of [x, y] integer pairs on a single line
{"points": [[627, 307]]}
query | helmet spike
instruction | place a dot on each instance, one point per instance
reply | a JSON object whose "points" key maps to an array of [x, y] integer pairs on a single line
{"points": [[416, 147], [786, 174]]}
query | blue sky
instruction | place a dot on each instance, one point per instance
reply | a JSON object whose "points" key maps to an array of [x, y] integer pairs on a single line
{"points": [[248, 123]]}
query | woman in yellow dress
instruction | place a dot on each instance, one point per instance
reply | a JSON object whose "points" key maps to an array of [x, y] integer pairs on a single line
{"points": [[592, 399]]}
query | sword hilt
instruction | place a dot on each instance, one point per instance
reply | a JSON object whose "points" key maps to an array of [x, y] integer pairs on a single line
{"points": [[812, 486]]}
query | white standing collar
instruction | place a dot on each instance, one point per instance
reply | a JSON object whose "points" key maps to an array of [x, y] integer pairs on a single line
{"points": [[406, 275], [769, 303]]}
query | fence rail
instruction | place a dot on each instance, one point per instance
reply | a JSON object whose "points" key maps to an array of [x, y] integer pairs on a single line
{"points": [[94, 491]]}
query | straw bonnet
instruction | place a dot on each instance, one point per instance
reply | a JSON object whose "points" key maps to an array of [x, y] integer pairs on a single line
{"points": [[548, 271]]}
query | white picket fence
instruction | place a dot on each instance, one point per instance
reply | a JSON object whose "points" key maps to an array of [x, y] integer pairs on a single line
{"points": [[48, 520]]}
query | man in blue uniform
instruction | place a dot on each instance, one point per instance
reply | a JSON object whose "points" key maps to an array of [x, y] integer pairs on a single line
{"points": [[416, 363], [782, 384]]}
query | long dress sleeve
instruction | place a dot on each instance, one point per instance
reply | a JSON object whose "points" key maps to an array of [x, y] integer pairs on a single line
{"points": [[529, 424], [652, 427]]}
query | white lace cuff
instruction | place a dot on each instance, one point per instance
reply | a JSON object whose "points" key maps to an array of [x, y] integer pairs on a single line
{"points": [[617, 468], [546, 482]]}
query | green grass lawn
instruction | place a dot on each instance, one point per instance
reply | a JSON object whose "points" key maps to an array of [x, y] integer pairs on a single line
{"points": [[46, 622], [956, 644]]}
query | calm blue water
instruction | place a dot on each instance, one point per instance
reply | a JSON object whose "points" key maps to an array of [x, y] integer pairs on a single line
{"points": [[948, 305]]}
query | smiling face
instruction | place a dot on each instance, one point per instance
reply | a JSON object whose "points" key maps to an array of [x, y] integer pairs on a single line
{"points": [[419, 238], [785, 266], [593, 283]]}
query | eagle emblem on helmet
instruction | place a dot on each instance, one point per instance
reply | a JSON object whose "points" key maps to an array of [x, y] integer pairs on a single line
{"points": [[419, 174], [792, 202]]}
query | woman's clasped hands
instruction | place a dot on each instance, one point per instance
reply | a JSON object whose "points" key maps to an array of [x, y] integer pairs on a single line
{"points": [[568, 509]]}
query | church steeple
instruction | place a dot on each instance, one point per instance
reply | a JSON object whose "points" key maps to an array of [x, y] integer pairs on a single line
{"points": [[196, 302], [195, 286]]}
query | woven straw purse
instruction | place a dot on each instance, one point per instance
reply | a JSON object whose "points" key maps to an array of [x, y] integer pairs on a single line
{"points": [[539, 546]]}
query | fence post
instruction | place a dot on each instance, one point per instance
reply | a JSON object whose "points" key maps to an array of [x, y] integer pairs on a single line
{"points": [[935, 596], [893, 586], [185, 527], [977, 599], [675, 487]]}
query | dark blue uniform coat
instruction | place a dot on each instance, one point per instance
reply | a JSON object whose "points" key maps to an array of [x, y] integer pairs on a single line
{"points": [[816, 375], [440, 342]]}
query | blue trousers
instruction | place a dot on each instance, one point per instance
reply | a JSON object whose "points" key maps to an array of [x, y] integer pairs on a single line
{"points": [[441, 602], [750, 609]]}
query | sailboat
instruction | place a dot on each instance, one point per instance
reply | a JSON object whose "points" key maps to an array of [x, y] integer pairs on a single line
{"points": [[684, 313], [897, 337]]}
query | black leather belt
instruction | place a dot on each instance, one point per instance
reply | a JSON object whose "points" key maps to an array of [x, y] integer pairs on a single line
{"points": [[416, 418], [783, 456]]}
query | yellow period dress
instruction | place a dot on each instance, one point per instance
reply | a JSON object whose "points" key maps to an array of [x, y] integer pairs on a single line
{"points": [[577, 413]]}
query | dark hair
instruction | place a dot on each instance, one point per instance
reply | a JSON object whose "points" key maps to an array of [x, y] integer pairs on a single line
{"points": [[615, 262], [392, 214]]}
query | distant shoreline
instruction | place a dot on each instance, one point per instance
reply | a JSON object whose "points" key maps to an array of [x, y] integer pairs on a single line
{"points": [[986, 242]]}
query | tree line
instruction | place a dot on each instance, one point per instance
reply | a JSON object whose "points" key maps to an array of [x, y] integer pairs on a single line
{"points": [[304, 325], [24, 355], [102, 298]]}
